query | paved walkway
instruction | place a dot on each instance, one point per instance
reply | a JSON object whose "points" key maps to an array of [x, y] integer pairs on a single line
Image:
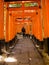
{"points": [[26, 53]]}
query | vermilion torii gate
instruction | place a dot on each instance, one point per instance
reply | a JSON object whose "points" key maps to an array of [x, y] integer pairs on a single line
{"points": [[44, 30]]}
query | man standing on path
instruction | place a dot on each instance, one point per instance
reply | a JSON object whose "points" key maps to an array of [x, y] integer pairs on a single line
{"points": [[23, 31]]}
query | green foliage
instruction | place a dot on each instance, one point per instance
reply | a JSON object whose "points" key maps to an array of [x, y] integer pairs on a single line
{"points": [[32, 4]]}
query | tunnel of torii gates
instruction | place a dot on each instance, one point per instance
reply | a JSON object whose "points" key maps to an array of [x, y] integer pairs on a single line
{"points": [[38, 17]]}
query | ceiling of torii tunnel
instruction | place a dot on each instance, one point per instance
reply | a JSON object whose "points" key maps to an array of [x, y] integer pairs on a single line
{"points": [[21, 0]]}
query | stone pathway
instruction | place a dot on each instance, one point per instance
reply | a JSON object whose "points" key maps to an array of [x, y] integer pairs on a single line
{"points": [[26, 53]]}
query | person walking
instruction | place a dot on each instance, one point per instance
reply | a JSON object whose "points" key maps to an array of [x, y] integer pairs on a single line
{"points": [[23, 31]]}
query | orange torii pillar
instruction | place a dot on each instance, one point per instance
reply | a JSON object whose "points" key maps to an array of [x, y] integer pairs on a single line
{"points": [[10, 27], [7, 23], [45, 17], [1, 20], [1, 25], [39, 25]]}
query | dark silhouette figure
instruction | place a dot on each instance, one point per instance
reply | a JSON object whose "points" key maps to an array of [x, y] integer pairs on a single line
{"points": [[23, 31]]}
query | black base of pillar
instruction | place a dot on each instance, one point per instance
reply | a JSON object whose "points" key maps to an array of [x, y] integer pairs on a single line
{"points": [[46, 45], [10, 45], [38, 42], [2, 43]]}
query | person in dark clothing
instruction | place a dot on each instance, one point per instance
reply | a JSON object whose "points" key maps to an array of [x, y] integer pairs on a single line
{"points": [[23, 31]]}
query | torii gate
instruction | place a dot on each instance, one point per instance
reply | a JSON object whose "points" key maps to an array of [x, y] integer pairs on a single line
{"points": [[45, 19]]}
